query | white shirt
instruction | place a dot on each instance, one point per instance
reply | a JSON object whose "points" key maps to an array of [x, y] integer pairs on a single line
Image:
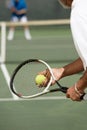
{"points": [[79, 28]]}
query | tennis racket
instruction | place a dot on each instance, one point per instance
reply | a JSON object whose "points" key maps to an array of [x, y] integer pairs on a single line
{"points": [[22, 81]]}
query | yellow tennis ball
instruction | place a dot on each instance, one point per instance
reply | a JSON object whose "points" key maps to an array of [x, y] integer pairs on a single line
{"points": [[40, 79]]}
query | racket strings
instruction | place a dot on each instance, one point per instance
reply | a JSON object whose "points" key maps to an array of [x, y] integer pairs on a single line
{"points": [[24, 79]]}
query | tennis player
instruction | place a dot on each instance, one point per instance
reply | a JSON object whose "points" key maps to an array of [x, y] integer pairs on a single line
{"points": [[18, 13], [78, 22]]}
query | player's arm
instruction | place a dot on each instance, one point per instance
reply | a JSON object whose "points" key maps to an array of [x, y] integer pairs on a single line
{"points": [[23, 9], [73, 68], [66, 3], [13, 10], [10, 5], [77, 90], [70, 69], [82, 82]]}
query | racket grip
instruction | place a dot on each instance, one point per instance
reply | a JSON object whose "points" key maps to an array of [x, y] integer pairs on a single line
{"points": [[64, 89]]}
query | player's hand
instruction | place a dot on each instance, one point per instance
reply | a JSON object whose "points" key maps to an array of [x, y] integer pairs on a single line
{"points": [[56, 72], [13, 9], [22, 11], [71, 93]]}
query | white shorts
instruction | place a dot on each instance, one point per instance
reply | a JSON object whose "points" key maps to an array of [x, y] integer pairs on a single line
{"points": [[79, 28], [22, 19]]}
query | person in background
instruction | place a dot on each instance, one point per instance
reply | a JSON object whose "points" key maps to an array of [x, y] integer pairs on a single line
{"points": [[18, 10]]}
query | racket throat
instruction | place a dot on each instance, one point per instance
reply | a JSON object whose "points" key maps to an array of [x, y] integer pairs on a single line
{"points": [[62, 88]]}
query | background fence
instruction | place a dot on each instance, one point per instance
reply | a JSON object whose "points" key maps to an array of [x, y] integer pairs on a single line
{"points": [[38, 10]]}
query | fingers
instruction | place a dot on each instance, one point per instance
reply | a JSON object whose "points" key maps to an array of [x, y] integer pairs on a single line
{"points": [[72, 95], [46, 73], [76, 98]]}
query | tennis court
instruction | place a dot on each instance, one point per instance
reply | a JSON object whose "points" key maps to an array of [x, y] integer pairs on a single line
{"points": [[50, 112]]}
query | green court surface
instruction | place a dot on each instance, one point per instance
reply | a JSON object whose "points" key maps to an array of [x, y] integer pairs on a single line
{"points": [[48, 112]]}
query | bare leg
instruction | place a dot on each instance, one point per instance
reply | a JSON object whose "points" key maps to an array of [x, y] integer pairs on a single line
{"points": [[11, 33], [27, 33]]}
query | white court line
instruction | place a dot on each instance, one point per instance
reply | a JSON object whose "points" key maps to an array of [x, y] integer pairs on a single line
{"points": [[7, 77], [38, 98]]}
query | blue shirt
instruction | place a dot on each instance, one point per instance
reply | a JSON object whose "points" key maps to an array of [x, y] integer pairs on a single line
{"points": [[21, 4]]}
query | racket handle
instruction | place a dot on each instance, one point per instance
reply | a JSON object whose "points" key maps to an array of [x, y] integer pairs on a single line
{"points": [[64, 89]]}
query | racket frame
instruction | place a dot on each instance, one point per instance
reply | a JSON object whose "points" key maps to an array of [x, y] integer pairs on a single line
{"points": [[46, 90]]}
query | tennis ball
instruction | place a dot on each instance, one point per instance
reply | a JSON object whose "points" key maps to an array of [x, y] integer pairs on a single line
{"points": [[40, 79]]}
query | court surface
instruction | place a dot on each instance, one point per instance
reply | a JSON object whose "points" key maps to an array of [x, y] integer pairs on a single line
{"points": [[49, 112]]}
